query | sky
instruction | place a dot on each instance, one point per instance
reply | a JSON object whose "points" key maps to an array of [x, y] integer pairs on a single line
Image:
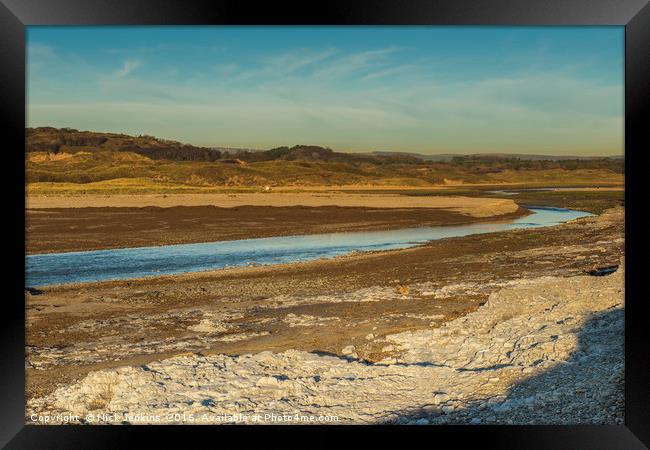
{"points": [[424, 89]]}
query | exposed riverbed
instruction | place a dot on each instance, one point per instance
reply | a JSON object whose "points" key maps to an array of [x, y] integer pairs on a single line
{"points": [[114, 264], [543, 343], [316, 306]]}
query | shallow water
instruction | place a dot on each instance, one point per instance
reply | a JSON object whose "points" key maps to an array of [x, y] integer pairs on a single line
{"points": [[546, 189], [75, 267]]}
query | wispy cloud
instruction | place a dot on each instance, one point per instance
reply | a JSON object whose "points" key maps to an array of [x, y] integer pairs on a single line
{"points": [[392, 93], [290, 62], [165, 48], [390, 71], [128, 66], [356, 62], [228, 69]]}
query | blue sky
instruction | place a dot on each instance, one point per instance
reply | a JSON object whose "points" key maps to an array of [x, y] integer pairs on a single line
{"points": [[552, 90]]}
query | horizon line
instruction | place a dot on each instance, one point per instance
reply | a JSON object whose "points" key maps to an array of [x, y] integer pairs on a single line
{"points": [[404, 152]]}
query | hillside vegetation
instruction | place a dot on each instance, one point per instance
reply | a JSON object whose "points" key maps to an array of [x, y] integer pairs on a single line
{"points": [[89, 161]]}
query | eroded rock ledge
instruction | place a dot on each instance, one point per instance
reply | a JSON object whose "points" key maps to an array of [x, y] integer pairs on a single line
{"points": [[540, 351]]}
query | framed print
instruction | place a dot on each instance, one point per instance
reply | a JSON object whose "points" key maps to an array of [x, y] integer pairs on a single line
{"points": [[369, 214]]}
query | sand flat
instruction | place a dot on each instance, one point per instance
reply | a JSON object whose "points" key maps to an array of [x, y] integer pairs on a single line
{"points": [[471, 206]]}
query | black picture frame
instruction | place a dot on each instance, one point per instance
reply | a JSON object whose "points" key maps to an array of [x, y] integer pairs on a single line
{"points": [[15, 15]]}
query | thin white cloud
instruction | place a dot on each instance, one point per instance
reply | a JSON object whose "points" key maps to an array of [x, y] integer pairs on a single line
{"points": [[165, 48], [390, 71], [322, 96], [228, 69], [290, 62], [355, 62], [128, 66]]}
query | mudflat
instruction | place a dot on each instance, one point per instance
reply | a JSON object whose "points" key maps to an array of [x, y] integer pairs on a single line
{"points": [[69, 224]]}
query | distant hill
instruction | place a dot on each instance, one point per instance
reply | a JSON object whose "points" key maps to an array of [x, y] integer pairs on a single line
{"points": [[439, 157], [523, 156], [69, 140], [317, 153], [233, 151], [72, 156]]}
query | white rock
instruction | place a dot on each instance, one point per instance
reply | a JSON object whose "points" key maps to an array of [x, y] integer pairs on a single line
{"points": [[296, 381], [440, 398]]}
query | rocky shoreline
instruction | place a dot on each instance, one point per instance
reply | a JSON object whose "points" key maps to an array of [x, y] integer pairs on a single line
{"points": [[545, 350]]}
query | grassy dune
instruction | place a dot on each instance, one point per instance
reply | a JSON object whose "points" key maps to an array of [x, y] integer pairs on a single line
{"points": [[126, 172]]}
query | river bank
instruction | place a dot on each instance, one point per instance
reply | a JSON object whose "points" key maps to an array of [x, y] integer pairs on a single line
{"points": [[318, 306], [70, 224], [134, 263], [545, 350]]}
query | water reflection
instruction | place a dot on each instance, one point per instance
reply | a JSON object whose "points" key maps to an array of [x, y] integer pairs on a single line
{"points": [[98, 265]]}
